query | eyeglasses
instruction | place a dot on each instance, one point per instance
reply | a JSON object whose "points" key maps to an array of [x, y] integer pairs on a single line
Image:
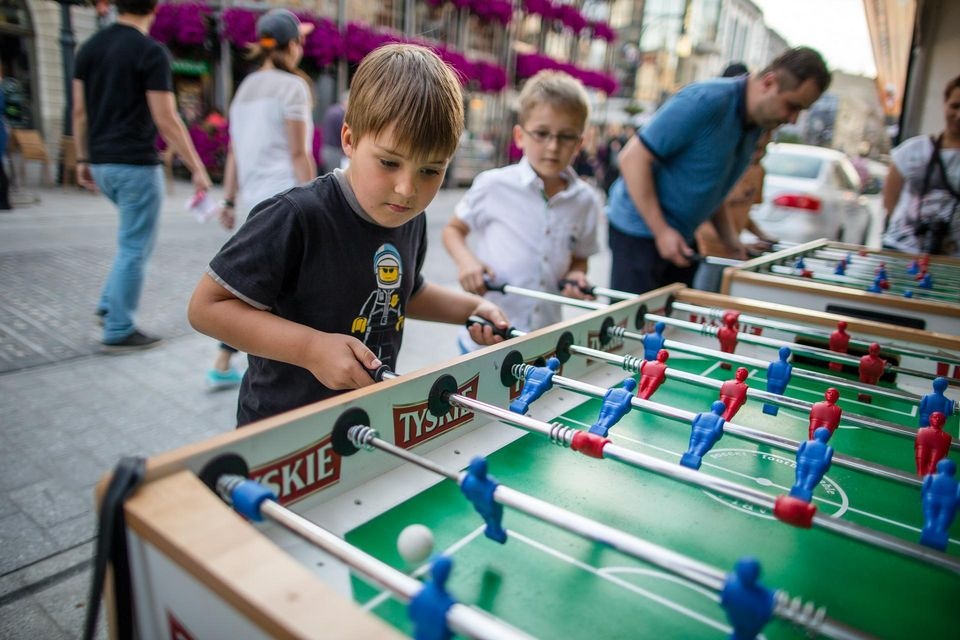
{"points": [[543, 137]]}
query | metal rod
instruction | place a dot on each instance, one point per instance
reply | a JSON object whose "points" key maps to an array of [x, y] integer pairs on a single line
{"points": [[716, 313], [833, 381], [552, 297], [632, 364], [866, 274], [790, 272], [563, 436], [747, 433], [764, 341], [463, 619], [679, 564]]}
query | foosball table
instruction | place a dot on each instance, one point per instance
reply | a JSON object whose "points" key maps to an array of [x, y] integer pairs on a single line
{"points": [[650, 468], [921, 292]]}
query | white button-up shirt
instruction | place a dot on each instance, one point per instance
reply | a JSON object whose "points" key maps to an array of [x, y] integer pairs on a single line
{"points": [[528, 240]]}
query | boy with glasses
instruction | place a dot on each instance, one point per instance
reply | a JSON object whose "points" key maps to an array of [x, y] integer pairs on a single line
{"points": [[533, 224]]}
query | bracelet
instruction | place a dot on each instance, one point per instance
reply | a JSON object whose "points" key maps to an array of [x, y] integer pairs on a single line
{"points": [[227, 204]]}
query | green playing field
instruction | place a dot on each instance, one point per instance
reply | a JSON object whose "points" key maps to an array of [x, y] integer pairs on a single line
{"points": [[548, 582]]}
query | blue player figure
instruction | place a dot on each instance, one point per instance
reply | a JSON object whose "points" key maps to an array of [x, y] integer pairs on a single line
{"points": [[653, 342], [799, 264], [881, 271], [616, 404], [913, 268], [813, 461], [841, 268], [935, 401], [877, 286], [926, 282], [941, 494], [747, 603], [908, 293], [428, 609], [478, 487], [539, 380], [706, 431], [778, 376]]}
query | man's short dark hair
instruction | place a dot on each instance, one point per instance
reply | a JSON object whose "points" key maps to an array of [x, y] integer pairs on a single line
{"points": [[795, 66], [953, 84], [136, 7], [735, 69]]}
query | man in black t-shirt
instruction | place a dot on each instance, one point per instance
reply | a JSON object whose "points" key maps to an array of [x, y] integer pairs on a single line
{"points": [[122, 95]]}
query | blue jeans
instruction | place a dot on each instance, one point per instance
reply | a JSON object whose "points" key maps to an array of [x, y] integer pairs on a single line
{"points": [[137, 190]]}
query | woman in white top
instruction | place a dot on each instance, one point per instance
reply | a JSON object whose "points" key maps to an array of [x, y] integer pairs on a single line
{"points": [[271, 136], [922, 191]]}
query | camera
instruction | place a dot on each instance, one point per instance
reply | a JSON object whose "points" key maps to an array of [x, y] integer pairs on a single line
{"points": [[932, 234]]}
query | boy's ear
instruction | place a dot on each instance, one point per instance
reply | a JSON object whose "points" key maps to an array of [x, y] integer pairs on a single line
{"points": [[518, 136], [346, 140]]}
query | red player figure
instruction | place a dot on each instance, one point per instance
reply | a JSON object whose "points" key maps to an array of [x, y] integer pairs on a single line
{"points": [[839, 342], [931, 445], [871, 368], [733, 393], [652, 374], [727, 334], [825, 413]]}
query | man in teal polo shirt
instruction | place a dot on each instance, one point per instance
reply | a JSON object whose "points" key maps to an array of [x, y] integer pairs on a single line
{"points": [[676, 172]]}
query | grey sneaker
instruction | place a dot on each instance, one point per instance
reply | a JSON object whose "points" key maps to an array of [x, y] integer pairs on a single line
{"points": [[136, 341]]}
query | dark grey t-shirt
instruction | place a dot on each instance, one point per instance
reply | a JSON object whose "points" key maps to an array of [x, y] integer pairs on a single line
{"points": [[312, 256]]}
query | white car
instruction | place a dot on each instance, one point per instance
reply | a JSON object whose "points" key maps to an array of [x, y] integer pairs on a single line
{"points": [[810, 193]]}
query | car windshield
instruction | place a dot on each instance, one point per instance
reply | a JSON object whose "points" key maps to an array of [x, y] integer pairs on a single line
{"points": [[792, 165]]}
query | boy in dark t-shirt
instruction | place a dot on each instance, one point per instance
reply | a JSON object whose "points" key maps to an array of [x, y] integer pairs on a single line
{"points": [[318, 282]]}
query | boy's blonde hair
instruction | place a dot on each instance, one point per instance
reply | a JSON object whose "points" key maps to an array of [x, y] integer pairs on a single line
{"points": [[410, 87], [557, 89]]}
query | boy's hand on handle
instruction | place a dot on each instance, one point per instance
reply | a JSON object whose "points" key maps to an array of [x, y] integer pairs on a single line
{"points": [[484, 334], [342, 362], [673, 248], [472, 276], [576, 285]]}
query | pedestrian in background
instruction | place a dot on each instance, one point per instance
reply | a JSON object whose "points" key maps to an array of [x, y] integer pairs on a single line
{"points": [[680, 167], [922, 190], [122, 95], [271, 132], [535, 222], [4, 181], [331, 125]]}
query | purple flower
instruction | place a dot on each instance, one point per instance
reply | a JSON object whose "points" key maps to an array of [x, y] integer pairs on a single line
{"points": [[184, 23], [324, 45], [239, 26], [539, 7], [571, 17], [603, 31]]}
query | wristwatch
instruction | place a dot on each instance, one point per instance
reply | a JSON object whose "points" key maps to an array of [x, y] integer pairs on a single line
{"points": [[227, 204]]}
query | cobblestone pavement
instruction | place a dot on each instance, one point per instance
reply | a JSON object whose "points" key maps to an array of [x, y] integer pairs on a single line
{"points": [[67, 413]]}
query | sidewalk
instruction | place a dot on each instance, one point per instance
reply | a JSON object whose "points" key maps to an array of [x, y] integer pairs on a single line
{"points": [[67, 413]]}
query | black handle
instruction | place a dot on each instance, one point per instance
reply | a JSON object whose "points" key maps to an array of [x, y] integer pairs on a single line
{"points": [[494, 287], [380, 372], [503, 333], [589, 289]]}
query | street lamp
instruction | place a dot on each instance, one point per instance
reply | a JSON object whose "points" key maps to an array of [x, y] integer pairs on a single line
{"points": [[67, 45]]}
